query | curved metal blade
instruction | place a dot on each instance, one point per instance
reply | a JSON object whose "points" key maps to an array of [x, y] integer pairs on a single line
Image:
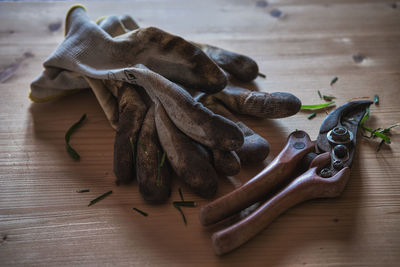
{"points": [[349, 116]]}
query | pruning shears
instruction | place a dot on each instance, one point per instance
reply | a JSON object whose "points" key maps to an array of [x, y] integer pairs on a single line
{"points": [[324, 167]]}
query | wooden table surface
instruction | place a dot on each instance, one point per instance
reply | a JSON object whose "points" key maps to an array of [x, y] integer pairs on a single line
{"points": [[43, 221]]}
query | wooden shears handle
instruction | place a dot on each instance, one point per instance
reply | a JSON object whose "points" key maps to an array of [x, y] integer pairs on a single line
{"points": [[307, 186], [279, 171]]}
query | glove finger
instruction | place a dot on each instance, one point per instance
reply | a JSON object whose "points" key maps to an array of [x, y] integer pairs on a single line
{"points": [[153, 171], [239, 66], [112, 25], [254, 149], [213, 104], [188, 159], [128, 22], [179, 61], [115, 26], [259, 104], [190, 116], [132, 112], [53, 83], [226, 162]]}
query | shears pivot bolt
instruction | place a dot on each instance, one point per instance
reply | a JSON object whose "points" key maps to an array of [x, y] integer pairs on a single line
{"points": [[340, 135]]}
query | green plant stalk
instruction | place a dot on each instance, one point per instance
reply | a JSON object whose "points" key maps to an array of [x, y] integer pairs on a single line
{"points": [[318, 106], [72, 152]]}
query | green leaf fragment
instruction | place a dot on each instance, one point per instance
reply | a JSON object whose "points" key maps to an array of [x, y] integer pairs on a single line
{"points": [[379, 132], [389, 128], [318, 106], [184, 203], [68, 134], [83, 191], [328, 97], [181, 212], [97, 199], [366, 116], [335, 79], [162, 159], [312, 115], [376, 133], [376, 99], [262, 75], [141, 212], [72, 152], [180, 194]]}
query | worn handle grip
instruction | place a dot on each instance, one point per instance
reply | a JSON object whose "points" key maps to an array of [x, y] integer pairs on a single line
{"points": [[277, 172], [307, 186]]}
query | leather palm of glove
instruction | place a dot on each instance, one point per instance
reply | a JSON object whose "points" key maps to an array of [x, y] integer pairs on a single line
{"points": [[133, 96]]}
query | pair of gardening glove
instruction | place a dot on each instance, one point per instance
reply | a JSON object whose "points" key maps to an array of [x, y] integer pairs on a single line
{"points": [[134, 73]]}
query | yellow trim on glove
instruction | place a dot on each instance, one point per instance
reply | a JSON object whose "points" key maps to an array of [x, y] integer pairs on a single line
{"points": [[69, 12], [100, 19]]}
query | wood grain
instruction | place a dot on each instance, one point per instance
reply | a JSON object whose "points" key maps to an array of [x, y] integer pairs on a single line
{"points": [[43, 221]]}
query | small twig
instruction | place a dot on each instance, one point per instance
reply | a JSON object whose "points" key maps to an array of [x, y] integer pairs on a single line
{"points": [[262, 75], [312, 115], [334, 80], [83, 191], [97, 199], [68, 134], [184, 203], [180, 194], [141, 212]]}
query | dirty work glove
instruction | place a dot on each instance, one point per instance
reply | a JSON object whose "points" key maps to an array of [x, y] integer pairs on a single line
{"points": [[82, 54], [190, 160], [165, 99], [243, 101], [239, 100]]}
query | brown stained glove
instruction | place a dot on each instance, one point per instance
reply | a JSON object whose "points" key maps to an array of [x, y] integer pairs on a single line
{"points": [[132, 112], [259, 104], [153, 171], [189, 159], [239, 66], [226, 163], [183, 124], [150, 187], [255, 148], [154, 186]]}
